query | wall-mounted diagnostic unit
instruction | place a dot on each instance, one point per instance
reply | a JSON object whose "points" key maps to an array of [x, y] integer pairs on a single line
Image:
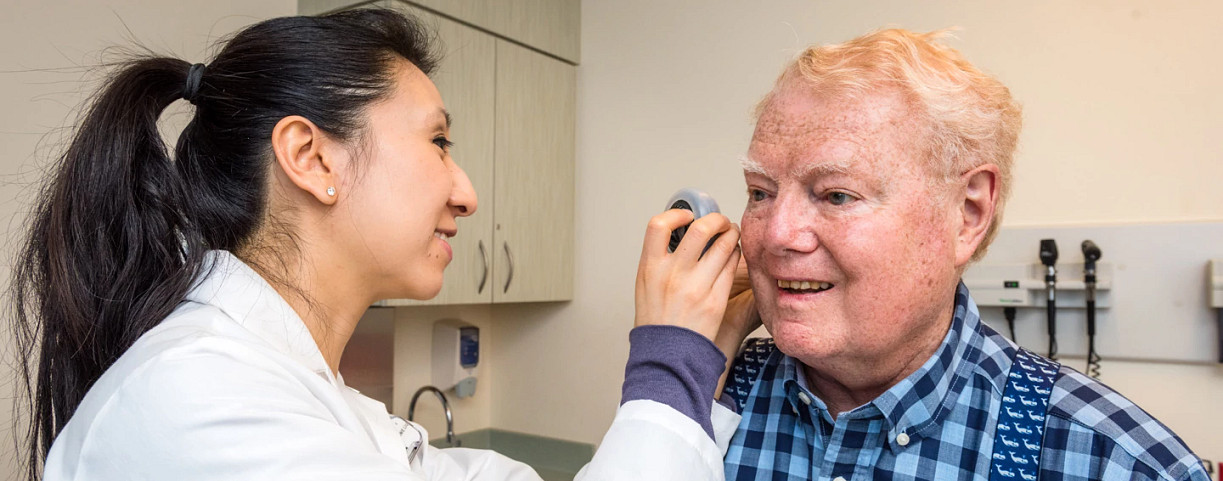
{"points": [[1024, 285], [1149, 303]]}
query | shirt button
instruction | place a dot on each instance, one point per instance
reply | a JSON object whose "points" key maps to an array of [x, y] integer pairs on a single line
{"points": [[802, 396], [839, 478], [902, 439]]}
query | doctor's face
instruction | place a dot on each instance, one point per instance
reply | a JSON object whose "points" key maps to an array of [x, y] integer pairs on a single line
{"points": [[849, 249], [408, 192]]}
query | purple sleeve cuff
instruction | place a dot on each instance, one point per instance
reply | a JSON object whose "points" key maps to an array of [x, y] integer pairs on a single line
{"points": [[729, 402], [674, 366]]}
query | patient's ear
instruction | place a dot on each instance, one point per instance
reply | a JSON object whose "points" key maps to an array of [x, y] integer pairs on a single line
{"points": [[977, 210]]}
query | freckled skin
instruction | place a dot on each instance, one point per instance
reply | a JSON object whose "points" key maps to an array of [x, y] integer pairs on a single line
{"points": [[890, 251]]}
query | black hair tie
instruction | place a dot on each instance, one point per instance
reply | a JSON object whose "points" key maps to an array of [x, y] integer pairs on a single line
{"points": [[194, 77]]}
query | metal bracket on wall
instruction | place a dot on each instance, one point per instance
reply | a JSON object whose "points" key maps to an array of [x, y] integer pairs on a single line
{"points": [[1023, 285]]}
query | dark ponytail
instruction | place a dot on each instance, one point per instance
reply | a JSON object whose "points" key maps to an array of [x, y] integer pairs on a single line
{"points": [[120, 229]]}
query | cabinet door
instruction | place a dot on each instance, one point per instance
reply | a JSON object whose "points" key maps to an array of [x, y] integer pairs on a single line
{"points": [[552, 26], [465, 79], [536, 98]]}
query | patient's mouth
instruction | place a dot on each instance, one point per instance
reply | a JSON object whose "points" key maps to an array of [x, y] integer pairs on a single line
{"points": [[803, 287]]}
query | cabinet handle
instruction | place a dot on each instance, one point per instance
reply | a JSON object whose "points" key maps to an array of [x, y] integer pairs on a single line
{"points": [[509, 257], [484, 260]]}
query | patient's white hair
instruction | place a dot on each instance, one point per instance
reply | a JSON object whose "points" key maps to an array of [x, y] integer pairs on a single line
{"points": [[971, 118]]}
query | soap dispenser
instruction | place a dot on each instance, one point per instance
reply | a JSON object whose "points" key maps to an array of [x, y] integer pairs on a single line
{"points": [[456, 353]]}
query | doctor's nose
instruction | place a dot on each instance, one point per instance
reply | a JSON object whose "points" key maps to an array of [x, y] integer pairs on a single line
{"points": [[463, 199]]}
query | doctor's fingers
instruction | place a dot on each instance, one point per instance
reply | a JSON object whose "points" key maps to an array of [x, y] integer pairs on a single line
{"points": [[686, 266], [658, 232], [653, 270], [742, 282], [697, 239], [723, 253], [709, 303], [725, 279]]}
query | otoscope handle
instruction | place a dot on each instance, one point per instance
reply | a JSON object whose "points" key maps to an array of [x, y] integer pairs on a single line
{"points": [[1048, 257], [1220, 335], [1091, 317], [1051, 310]]}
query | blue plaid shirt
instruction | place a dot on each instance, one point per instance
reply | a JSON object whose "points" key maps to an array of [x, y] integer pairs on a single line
{"points": [[939, 423]]}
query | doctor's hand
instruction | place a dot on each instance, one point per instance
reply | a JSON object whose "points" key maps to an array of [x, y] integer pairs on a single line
{"points": [[740, 319], [684, 288]]}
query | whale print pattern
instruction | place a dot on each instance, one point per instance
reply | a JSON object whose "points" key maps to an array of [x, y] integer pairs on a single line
{"points": [[1022, 418], [755, 353]]}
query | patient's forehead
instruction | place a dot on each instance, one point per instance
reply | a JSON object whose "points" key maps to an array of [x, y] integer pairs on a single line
{"points": [[800, 125]]}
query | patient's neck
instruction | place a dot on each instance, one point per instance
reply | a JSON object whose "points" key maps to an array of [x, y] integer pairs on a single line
{"points": [[846, 382]]}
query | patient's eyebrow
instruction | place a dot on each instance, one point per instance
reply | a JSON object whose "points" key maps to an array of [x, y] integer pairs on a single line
{"points": [[823, 169], [802, 170], [751, 166]]}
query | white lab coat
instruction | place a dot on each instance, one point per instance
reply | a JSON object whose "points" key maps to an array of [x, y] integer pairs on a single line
{"points": [[232, 386]]}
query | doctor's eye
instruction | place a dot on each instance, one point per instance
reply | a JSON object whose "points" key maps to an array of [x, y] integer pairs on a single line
{"points": [[443, 143]]}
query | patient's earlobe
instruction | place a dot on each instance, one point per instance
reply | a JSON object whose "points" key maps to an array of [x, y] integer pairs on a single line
{"points": [[977, 210]]}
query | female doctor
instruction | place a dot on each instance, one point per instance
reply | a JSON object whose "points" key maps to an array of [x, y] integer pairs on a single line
{"points": [[182, 315]]}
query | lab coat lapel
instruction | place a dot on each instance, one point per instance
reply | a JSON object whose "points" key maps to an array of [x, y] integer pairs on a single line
{"points": [[378, 423], [240, 292], [243, 295]]}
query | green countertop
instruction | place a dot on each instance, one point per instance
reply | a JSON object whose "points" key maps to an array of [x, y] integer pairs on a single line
{"points": [[554, 459]]}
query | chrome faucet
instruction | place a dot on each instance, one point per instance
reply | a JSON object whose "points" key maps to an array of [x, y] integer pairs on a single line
{"points": [[450, 441]]}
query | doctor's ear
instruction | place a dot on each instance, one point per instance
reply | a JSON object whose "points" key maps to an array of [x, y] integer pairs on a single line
{"points": [[308, 157], [977, 210]]}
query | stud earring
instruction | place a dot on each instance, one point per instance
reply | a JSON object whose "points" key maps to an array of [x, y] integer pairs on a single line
{"points": [[331, 191]]}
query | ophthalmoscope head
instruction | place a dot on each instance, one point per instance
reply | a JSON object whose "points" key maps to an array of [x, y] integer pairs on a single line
{"points": [[1091, 252], [1048, 252]]}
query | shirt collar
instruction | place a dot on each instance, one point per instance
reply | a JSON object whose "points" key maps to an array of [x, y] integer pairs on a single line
{"points": [[922, 399], [230, 285], [925, 397]]}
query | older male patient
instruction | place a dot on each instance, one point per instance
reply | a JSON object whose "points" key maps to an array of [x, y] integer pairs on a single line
{"points": [[877, 172]]}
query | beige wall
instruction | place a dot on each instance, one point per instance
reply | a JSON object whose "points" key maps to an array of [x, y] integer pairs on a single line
{"points": [[1112, 89], [1122, 126], [413, 361], [47, 47]]}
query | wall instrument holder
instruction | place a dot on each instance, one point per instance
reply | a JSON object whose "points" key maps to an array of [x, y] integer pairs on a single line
{"points": [[1023, 285], [1154, 288]]}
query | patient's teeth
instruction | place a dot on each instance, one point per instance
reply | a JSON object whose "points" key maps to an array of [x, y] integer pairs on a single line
{"points": [[803, 285]]}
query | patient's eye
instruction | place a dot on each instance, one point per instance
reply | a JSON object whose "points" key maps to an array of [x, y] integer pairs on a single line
{"points": [[839, 198], [756, 195]]}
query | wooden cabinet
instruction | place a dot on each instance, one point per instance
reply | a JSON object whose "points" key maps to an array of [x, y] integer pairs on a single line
{"points": [[534, 176], [514, 113], [466, 80], [552, 26]]}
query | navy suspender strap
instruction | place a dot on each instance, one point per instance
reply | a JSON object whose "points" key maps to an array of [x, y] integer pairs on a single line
{"points": [[1021, 419], [746, 369]]}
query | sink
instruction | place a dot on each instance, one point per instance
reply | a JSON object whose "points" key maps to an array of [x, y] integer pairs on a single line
{"points": [[554, 459]]}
